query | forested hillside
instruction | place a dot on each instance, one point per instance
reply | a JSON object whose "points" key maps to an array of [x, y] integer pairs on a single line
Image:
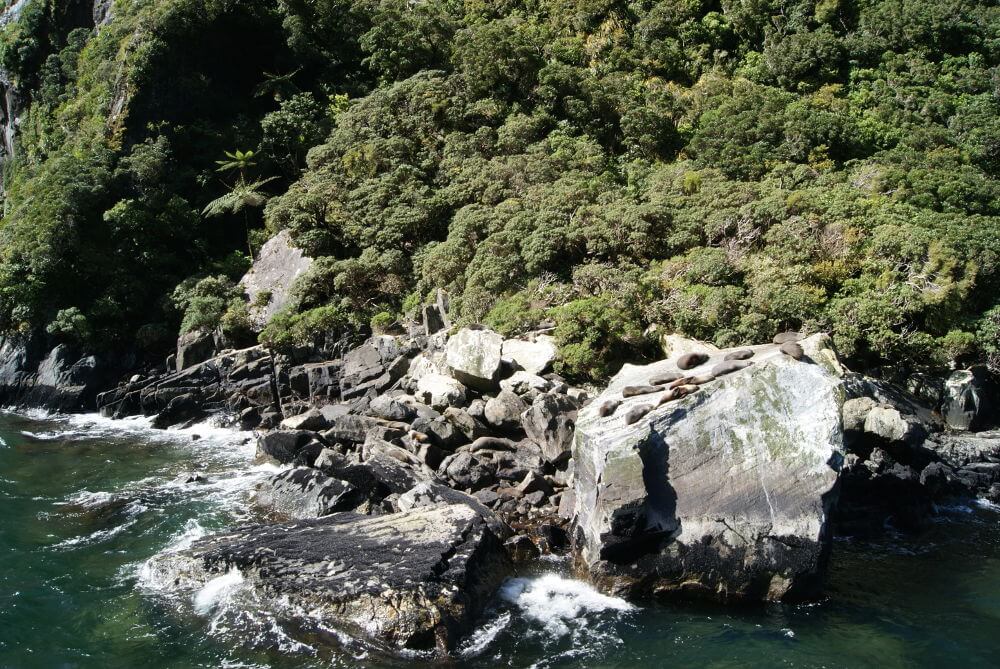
{"points": [[724, 169]]}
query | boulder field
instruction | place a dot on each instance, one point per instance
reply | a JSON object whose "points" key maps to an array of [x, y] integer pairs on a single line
{"points": [[420, 470]]}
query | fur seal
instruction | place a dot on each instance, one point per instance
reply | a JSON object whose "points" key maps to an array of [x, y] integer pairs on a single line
{"points": [[608, 407], [684, 380], [700, 380], [669, 396], [786, 337], [730, 366], [637, 412], [742, 354], [632, 391], [664, 379], [691, 360], [792, 350]]}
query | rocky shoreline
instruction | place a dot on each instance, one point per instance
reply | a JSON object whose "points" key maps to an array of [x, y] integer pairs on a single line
{"points": [[423, 468]]}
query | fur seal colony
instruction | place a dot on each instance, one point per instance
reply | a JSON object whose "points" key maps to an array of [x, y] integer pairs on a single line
{"points": [[677, 385]]}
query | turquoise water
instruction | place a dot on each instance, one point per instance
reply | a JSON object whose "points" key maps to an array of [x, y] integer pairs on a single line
{"points": [[85, 502]]}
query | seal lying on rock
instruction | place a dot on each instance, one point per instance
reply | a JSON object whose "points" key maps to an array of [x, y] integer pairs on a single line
{"points": [[742, 354], [676, 394], [730, 366], [608, 407], [792, 350], [634, 391], [786, 337], [691, 360], [664, 379], [637, 412]]}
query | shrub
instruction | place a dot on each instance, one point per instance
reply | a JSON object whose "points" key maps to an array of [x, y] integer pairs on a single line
{"points": [[70, 325]]}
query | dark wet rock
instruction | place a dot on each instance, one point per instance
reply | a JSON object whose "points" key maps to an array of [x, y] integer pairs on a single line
{"points": [[552, 538], [503, 412], [391, 408], [522, 549], [469, 471], [469, 427], [282, 446], [534, 483], [184, 408], [441, 432], [310, 420], [304, 492], [415, 579], [550, 423], [193, 348]]}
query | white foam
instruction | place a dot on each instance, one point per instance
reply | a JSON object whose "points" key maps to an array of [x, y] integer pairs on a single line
{"points": [[482, 637], [555, 601], [984, 503], [90, 500], [217, 591]]}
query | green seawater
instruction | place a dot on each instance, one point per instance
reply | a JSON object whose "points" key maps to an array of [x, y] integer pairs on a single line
{"points": [[84, 502]]}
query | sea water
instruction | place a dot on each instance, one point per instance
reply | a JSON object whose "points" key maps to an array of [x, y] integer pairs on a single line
{"points": [[86, 501]]}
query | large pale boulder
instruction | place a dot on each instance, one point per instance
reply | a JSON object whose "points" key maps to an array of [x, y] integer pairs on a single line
{"points": [[725, 492], [269, 282], [440, 391], [534, 357], [474, 357], [415, 579]]}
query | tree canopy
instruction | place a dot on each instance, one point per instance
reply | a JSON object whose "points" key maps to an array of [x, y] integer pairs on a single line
{"points": [[721, 168]]}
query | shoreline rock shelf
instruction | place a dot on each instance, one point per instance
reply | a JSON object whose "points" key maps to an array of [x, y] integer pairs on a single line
{"points": [[449, 456], [725, 492], [414, 579]]}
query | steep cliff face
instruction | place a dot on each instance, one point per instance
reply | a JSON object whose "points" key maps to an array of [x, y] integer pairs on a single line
{"points": [[75, 14]]}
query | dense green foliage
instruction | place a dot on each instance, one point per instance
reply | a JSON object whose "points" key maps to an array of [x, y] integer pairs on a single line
{"points": [[725, 169]]}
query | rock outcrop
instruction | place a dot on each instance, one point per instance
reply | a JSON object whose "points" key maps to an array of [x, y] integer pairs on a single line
{"points": [[724, 489], [60, 379], [269, 282], [415, 579]]}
